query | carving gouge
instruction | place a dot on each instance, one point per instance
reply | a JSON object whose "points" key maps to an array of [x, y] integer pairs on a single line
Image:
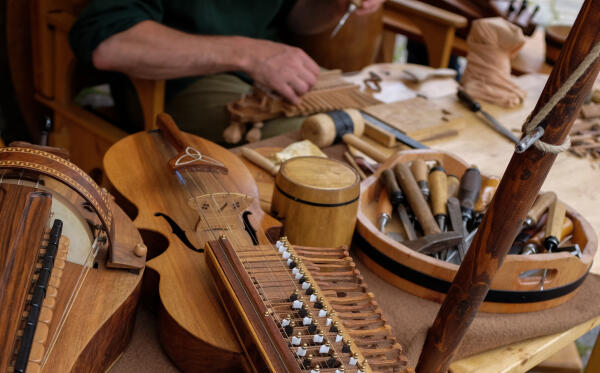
{"points": [[556, 217], [439, 195], [384, 210], [352, 6], [475, 107], [397, 199], [419, 170], [542, 203], [400, 136]]}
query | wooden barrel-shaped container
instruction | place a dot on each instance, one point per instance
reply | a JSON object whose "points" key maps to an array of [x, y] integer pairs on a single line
{"points": [[513, 289], [317, 199]]}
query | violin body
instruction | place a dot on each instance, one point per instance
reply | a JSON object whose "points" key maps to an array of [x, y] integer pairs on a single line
{"points": [[87, 310], [193, 328]]}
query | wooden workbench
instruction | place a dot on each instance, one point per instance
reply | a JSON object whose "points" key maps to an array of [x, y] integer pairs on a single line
{"points": [[571, 178]]}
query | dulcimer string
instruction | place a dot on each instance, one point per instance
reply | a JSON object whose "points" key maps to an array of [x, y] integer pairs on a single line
{"points": [[210, 182], [203, 188]]}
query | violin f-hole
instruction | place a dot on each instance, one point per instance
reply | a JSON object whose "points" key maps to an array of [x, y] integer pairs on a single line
{"points": [[248, 227], [180, 233]]}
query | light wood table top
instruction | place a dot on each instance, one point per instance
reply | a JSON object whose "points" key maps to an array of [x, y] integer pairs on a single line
{"points": [[573, 179]]}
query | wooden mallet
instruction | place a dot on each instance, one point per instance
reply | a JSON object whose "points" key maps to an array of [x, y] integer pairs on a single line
{"points": [[346, 125]]}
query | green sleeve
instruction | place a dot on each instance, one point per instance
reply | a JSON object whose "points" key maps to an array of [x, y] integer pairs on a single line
{"points": [[103, 18]]}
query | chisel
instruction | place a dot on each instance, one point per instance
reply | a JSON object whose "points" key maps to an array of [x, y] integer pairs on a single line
{"points": [[439, 195], [475, 107], [556, 217], [403, 138], [352, 6]]}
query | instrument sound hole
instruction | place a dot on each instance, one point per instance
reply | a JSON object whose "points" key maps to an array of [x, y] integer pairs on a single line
{"points": [[156, 243], [178, 231]]}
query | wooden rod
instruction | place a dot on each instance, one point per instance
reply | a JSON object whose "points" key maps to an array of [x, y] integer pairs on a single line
{"points": [[515, 195]]}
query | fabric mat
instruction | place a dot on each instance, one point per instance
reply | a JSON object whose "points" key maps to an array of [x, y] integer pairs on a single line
{"points": [[411, 317]]}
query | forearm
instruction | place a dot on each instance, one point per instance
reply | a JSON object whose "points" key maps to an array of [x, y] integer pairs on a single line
{"points": [[153, 51]]}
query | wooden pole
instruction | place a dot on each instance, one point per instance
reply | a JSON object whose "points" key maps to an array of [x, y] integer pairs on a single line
{"points": [[516, 193]]}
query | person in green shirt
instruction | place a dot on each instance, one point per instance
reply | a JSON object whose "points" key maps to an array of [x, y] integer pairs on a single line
{"points": [[210, 51]]}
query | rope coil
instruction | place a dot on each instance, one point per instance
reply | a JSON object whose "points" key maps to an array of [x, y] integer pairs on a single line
{"points": [[531, 124]]}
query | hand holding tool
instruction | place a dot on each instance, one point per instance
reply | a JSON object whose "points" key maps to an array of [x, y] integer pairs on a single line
{"points": [[352, 6], [475, 107], [439, 195]]}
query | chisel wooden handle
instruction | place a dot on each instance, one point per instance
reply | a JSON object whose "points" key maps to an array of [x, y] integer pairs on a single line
{"points": [[556, 217], [393, 190], [567, 229], [419, 171], [488, 188], [415, 199], [364, 147], [261, 161], [541, 204], [438, 184], [453, 183], [384, 210], [468, 191]]}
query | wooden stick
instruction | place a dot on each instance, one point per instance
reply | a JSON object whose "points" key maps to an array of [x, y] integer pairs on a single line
{"points": [[515, 195], [352, 162], [259, 160]]}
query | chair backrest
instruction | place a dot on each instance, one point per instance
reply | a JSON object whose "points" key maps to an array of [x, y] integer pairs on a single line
{"points": [[54, 64]]}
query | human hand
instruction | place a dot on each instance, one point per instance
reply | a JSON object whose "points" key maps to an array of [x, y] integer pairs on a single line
{"points": [[366, 7], [287, 70], [369, 6]]}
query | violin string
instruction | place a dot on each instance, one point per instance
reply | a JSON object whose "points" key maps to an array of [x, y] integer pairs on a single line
{"points": [[203, 189], [235, 243], [285, 270]]}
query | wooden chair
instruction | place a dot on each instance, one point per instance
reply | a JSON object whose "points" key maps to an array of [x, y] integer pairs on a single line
{"points": [[423, 22], [436, 28], [86, 135]]}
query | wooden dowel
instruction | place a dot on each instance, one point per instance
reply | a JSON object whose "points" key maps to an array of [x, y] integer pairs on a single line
{"points": [[352, 162], [364, 147], [516, 193], [261, 161]]}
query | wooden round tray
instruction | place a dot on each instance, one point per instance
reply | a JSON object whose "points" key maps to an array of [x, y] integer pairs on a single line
{"points": [[430, 278]]}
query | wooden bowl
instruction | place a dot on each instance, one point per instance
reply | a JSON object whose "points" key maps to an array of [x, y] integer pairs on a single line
{"points": [[430, 278]]}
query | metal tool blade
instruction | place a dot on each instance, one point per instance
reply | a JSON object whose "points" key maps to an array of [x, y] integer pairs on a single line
{"points": [[498, 127], [351, 9], [403, 138]]}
